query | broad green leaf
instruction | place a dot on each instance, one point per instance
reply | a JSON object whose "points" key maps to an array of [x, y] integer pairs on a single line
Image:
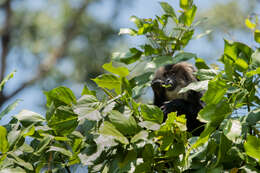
{"points": [[230, 49], [184, 4], [138, 22], [152, 113], [128, 158], [215, 113], [162, 60], [149, 125], [142, 135], [60, 96], [64, 120], [121, 71], [11, 170], [141, 79], [186, 37], [109, 81], [252, 147], [7, 78], [187, 16], [233, 130], [125, 123], [110, 130], [257, 36], [9, 108], [183, 56], [60, 150], [249, 24], [253, 116], [128, 31], [253, 72], [201, 64], [3, 140], [43, 145], [87, 91], [216, 90], [169, 10], [21, 162], [27, 117], [241, 64], [256, 58], [87, 107], [196, 86], [206, 74]]}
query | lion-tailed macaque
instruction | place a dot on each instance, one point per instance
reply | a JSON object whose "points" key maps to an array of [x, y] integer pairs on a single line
{"points": [[167, 83]]}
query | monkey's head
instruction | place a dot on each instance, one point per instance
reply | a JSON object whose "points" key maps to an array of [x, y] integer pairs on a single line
{"points": [[170, 79]]}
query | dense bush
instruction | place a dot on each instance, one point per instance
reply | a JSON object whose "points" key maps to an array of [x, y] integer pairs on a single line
{"points": [[113, 132]]}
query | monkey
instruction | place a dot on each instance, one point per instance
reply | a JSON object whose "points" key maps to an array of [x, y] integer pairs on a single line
{"points": [[168, 81]]}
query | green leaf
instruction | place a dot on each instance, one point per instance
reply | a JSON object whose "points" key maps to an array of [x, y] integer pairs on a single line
{"points": [[224, 146], [233, 130], [256, 58], [253, 72], [201, 64], [257, 36], [128, 31], [249, 24], [9, 108], [169, 10], [21, 162], [253, 117], [110, 130], [142, 135], [152, 113], [16, 170], [121, 71], [4, 146], [183, 56], [87, 107], [150, 125], [7, 78], [206, 74], [188, 16], [196, 86], [27, 118], [138, 22], [252, 147], [43, 145], [215, 113], [216, 90], [64, 120], [87, 91], [125, 123], [60, 150], [184, 4], [109, 81], [60, 96], [241, 64]]}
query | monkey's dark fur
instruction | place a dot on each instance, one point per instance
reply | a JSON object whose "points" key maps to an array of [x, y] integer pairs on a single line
{"points": [[175, 77]]}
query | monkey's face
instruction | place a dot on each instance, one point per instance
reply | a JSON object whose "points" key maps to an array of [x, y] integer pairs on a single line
{"points": [[170, 79]]}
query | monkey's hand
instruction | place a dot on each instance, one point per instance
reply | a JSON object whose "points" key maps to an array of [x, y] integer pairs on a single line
{"points": [[173, 106]]}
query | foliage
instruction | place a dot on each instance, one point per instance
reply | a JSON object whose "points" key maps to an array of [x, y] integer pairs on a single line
{"points": [[116, 133]]}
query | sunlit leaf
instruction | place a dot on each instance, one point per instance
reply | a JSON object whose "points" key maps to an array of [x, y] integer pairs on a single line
{"points": [[169, 10], [9, 108], [87, 91], [110, 130], [21, 162], [129, 31], [249, 24], [233, 130], [252, 147], [152, 113], [109, 81], [257, 36], [196, 86], [125, 123], [27, 117], [149, 125], [60, 96], [3, 140], [7, 78], [142, 135], [121, 71], [60, 150], [183, 56]]}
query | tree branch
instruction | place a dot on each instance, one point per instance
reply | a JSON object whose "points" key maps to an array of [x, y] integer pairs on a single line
{"points": [[5, 37], [56, 54]]}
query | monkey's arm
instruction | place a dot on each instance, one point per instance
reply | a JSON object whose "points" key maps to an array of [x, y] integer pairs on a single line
{"points": [[159, 92]]}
